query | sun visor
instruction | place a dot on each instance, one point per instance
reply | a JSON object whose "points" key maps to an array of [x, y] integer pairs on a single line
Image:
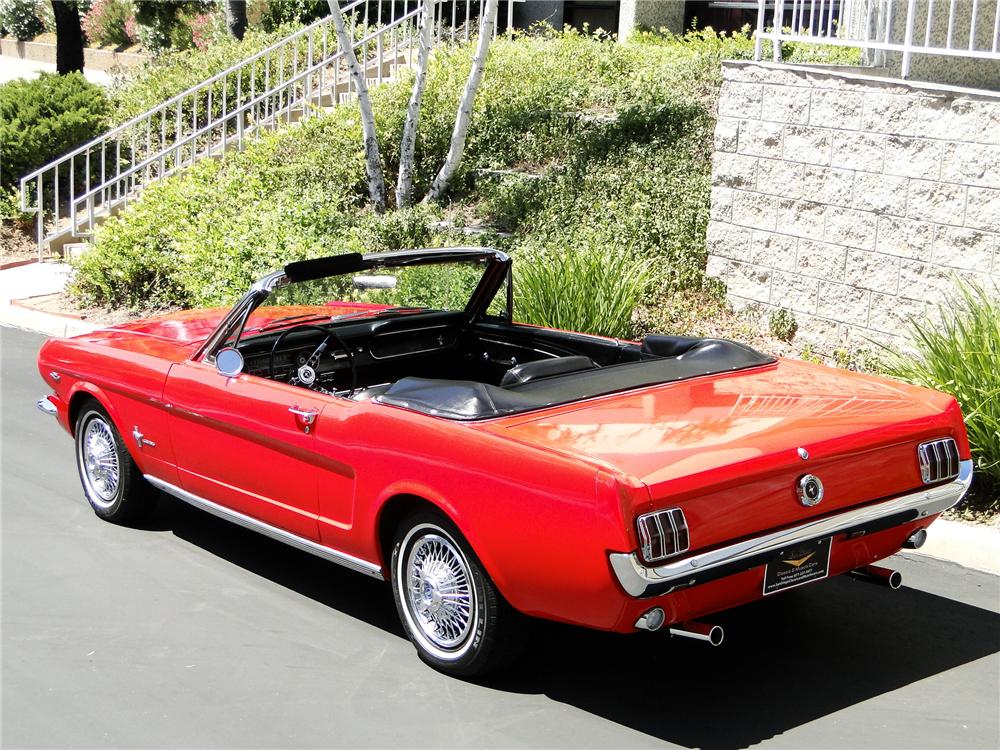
{"points": [[320, 268]]}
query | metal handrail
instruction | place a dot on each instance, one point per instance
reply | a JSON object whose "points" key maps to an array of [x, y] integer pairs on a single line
{"points": [[903, 26], [257, 93], [107, 166]]}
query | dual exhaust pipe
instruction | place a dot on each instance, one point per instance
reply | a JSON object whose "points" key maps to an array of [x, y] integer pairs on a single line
{"points": [[655, 618]]}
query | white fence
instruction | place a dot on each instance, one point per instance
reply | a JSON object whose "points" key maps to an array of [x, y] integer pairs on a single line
{"points": [[960, 28], [290, 80]]}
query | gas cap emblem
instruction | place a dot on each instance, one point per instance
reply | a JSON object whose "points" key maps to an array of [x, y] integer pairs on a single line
{"points": [[810, 490]]}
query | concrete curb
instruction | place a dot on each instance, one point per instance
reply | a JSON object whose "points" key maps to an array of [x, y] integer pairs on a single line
{"points": [[972, 546], [41, 322]]}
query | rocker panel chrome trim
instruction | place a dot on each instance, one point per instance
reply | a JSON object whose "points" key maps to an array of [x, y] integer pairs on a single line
{"points": [[306, 545], [639, 580]]}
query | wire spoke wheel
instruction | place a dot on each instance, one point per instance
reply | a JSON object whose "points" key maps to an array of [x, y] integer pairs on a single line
{"points": [[99, 462], [440, 594]]}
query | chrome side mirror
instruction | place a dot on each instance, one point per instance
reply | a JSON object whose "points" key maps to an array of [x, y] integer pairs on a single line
{"points": [[229, 362]]}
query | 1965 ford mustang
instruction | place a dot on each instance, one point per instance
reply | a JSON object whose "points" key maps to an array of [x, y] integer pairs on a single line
{"points": [[492, 470]]}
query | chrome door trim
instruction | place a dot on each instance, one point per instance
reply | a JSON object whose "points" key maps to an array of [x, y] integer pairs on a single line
{"points": [[640, 580], [306, 545]]}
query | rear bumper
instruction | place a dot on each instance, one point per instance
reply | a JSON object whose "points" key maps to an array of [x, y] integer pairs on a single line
{"points": [[642, 581]]}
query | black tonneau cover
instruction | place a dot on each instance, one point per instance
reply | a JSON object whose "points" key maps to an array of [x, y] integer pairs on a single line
{"points": [[470, 400]]}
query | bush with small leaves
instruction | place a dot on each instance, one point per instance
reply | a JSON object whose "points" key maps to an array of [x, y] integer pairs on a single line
{"points": [[20, 20], [782, 324]]}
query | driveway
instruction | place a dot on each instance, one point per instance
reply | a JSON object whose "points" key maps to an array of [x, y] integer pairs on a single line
{"points": [[193, 632], [15, 67]]}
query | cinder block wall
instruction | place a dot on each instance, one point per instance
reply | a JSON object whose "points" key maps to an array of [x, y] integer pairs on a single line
{"points": [[851, 201]]}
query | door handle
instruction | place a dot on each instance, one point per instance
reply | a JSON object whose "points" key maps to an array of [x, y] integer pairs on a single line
{"points": [[305, 416]]}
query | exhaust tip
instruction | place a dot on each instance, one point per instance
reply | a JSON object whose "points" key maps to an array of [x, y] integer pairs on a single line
{"points": [[895, 580], [700, 631], [916, 539], [716, 635], [652, 620]]}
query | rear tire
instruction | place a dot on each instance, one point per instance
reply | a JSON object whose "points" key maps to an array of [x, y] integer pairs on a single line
{"points": [[449, 607], [112, 483]]}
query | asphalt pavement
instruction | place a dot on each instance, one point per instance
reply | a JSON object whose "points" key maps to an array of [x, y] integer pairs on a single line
{"points": [[191, 632]]}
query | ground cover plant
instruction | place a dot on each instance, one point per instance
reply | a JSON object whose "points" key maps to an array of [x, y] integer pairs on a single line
{"points": [[579, 145]]}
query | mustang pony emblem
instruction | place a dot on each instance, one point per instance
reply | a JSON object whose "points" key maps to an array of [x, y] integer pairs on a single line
{"points": [[809, 489]]}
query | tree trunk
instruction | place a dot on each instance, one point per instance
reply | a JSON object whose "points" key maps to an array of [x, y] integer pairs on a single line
{"points": [[69, 37], [373, 160], [236, 17], [404, 186], [454, 157]]}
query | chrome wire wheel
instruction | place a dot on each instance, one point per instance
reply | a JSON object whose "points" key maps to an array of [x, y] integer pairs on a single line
{"points": [[438, 592], [98, 456]]}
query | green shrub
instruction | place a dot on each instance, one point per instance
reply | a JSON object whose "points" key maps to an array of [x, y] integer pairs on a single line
{"points": [[162, 24], [144, 87], [959, 354], [580, 290], [20, 19], [110, 22], [782, 324], [44, 118], [613, 142], [281, 12]]}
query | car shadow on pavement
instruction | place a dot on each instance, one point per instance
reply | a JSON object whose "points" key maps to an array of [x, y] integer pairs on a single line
{"points": [[786, 661], [353, 594]]}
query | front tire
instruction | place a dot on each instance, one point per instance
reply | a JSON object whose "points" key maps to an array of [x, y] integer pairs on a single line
{"points": [[112, 483], [449, 607]]}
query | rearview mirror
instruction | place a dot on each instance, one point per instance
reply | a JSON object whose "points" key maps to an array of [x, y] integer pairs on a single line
{"points": [[229, 362], [374, 282]]}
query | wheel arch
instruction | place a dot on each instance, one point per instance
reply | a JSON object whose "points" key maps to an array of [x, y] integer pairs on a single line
{"points": [[400, 502]]}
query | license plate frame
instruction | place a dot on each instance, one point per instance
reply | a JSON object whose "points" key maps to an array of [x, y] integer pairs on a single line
{"points": [[798, 565]]}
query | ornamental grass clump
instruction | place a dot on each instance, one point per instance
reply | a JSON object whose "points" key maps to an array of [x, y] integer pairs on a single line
{"points": [[960, 354], [581, 290]]}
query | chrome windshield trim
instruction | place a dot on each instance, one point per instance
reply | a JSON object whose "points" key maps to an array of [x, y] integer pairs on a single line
{"points": [[640, 580], [306, 545]]}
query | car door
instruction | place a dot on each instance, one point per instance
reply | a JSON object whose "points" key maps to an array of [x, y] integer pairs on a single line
{"points": [[249, 443]]}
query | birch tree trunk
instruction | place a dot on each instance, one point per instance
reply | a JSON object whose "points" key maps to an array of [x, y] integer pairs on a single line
{"points": [[373, 159], [454, 157], [404, 185]]}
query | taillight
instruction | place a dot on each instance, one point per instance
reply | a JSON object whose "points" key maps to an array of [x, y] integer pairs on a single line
{"points": [[938, 460], [662, 534]]}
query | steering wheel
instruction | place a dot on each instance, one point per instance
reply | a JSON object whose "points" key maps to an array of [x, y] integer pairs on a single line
{"points": [[306, 372]]}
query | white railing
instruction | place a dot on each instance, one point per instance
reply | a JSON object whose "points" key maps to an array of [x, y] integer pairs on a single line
{"points": [[290, 80], [960, 28]]}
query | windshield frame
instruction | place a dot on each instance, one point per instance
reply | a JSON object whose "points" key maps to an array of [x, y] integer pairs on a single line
{"points": [[497, 271]]}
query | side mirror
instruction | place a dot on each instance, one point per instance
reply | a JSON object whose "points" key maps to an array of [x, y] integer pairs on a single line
{"points": [[229, 362]]}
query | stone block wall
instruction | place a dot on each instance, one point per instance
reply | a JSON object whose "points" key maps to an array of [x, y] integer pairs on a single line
{"points": [[850, 200]]}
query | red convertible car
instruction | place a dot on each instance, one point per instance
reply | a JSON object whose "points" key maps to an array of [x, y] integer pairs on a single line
{"points": [[493, 471]]}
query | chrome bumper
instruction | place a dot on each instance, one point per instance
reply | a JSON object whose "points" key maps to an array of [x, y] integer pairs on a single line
{"points": [[640, 580], [46, 406]]}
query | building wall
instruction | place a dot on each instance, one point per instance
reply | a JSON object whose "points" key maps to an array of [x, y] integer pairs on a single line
{"points": [[850, 200]]}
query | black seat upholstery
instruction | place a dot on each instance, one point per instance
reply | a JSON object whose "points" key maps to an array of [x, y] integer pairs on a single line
{"points": [[545, 368]]}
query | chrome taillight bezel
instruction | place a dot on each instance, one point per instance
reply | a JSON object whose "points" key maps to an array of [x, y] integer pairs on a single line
{"points": [[938, 460], [662, 534]]}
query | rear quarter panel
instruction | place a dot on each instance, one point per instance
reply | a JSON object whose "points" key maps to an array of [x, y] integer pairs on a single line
{"points": [[541, 523]]}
